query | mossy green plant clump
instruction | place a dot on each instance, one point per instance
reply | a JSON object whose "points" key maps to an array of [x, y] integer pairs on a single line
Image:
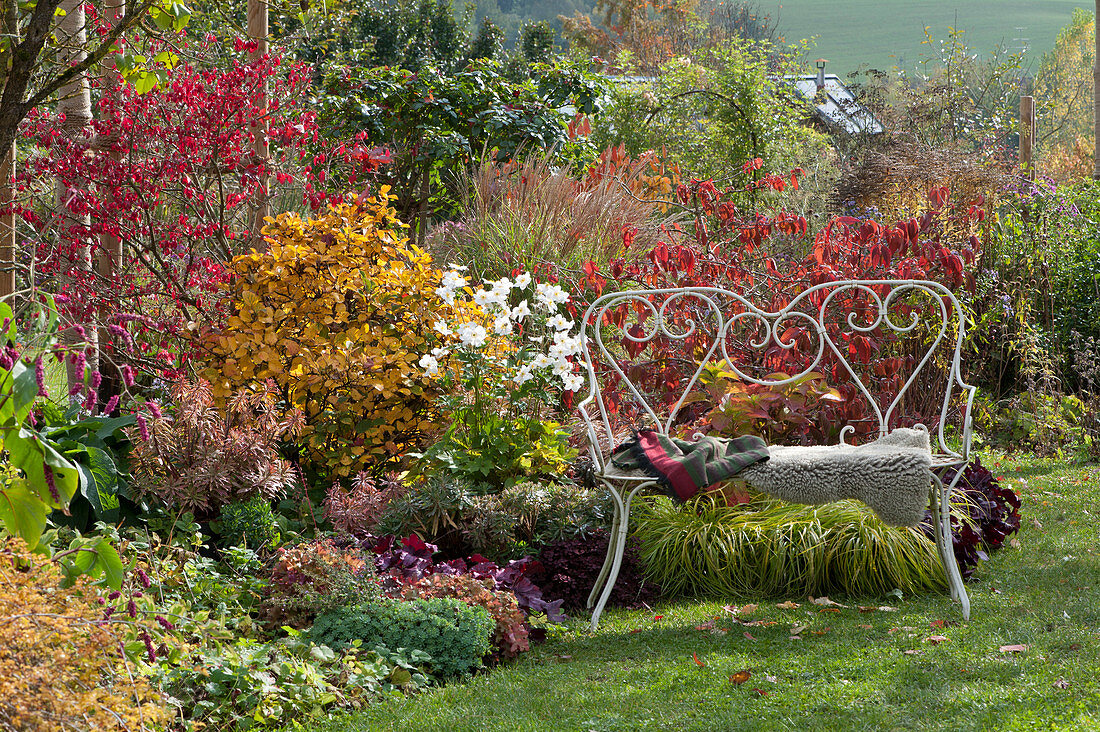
{"points": [[766, 546]]}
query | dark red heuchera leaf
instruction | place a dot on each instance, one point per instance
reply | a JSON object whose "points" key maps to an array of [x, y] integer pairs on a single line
{"points": [[401, 561], [568, 569], [994, 511]]}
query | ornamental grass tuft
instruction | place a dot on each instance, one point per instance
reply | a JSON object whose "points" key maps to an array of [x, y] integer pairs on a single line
{"points": [[766, 546]]}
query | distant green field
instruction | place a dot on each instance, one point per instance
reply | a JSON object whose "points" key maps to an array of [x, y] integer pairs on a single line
{"points": [[888, 33]]}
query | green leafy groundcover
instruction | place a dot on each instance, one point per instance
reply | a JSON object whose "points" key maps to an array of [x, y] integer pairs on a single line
{"points": [[766, 546], [455, 635]]}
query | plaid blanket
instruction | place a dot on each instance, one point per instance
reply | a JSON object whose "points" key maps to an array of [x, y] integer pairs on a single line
{"points": [[684, 468]]}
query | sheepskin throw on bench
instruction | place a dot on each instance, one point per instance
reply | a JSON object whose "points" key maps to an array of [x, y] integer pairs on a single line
{"points": [[891, 474]]}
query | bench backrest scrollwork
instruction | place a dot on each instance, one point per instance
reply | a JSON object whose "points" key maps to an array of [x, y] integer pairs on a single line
{"points": [[844, 330]]}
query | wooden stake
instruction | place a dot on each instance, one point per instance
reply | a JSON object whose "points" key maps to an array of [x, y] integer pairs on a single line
{"points": [[1027, 135]]}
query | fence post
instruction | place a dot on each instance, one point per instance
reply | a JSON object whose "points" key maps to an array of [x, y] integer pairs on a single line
{"points": [[1027, 135]]}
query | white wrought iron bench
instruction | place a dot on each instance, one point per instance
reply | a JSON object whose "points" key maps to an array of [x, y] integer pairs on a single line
{"points": [[843, 330]]}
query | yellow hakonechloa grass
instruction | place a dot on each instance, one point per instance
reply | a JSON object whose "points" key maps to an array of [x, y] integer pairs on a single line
{"points": [[60, 667], [338, 311]]}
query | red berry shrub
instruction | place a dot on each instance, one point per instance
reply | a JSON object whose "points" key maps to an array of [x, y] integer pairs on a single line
{"points": [[170, 173]]}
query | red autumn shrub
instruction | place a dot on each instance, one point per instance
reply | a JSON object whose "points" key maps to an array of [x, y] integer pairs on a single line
{"points": [[172, 174], [771, 259]]}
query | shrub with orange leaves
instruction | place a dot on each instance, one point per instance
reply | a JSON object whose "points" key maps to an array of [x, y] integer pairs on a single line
{"points": [[61, 666], [338, 311]]}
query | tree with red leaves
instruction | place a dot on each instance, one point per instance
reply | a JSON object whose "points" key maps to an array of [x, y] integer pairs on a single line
{"points": [[171, 174]]}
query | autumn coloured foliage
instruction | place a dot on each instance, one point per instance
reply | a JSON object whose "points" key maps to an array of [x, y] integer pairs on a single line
{"points": [[170, 172], [771, 258], [60, 666], [338, 311]]}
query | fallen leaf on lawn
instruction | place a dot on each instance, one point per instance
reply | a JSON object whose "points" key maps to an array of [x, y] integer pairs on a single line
{"points": [[1014, 543], [1036, 523], [749, 635], [936, 639], [705, 626], [757, 623], [1014, 648], [878, 608], [866, 627], [823, 631], [731, 609], [695, 657], [1061, 684], [796, 637], [798, 629], [562, 657], [829, 610], [761, 692], [658, 617], [788, 605], [636, 630], [719, 631], [771, 679], [825, 601], [740, 677], [912, 652], [746, 609]]}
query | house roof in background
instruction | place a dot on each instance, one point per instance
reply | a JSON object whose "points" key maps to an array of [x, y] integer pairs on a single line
{"points": [[836, 105]]}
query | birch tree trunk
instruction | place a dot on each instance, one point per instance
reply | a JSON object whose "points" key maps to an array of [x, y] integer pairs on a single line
{"points": [[75, 103]]}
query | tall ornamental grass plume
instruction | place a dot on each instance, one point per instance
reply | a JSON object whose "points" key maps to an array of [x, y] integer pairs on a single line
{"points": [[519, 214]]}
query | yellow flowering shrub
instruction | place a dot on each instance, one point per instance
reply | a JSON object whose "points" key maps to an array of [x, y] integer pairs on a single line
{"points": [[60, 668], [338, 312]]}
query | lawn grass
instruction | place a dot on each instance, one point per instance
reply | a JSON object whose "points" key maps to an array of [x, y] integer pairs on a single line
{"points": [[885, 33], [850, 670]]}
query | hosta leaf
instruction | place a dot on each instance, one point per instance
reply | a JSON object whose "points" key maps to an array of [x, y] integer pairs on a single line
{"points": [[99, 482]]}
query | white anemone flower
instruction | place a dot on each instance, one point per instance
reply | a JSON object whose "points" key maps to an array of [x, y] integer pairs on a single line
{"points": [[429, 364], [523, 375], [559, 322], [472, 334], [551, 296], [541, 361], [502, 325], [452, 280], [442, 328], [572, 382], [521, 311], [446, 294], [522, 280]]}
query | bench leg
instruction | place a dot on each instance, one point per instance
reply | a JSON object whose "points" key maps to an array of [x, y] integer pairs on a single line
{"points": [[615, 548], [941, 506], [609, 557]]}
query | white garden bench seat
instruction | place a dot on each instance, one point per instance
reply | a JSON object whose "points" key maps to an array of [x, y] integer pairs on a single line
{"points": [[828, 330]]}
